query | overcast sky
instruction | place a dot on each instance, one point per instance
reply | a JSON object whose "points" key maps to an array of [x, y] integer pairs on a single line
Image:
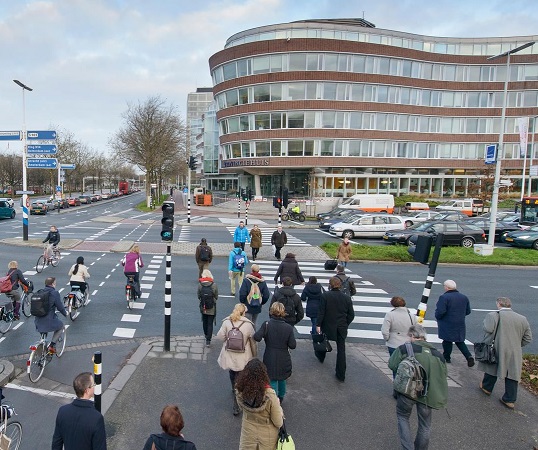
{"points": [[87, 59]]}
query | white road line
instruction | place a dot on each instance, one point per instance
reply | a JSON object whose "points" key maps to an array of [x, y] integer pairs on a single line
{"points": [[144, 295], [131, 318], [154, 266], [424, 281], [107, 277], [45, 392], [2, 338], [146, 286], [138, 305], [124, 332], [151, 272], [94, 292], [144, 278], [20, 324], [100, 284], [155, 261], [158, 256]]}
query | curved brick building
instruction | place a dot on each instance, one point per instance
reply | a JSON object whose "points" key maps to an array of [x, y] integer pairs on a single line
{"points": [[335, 107]]}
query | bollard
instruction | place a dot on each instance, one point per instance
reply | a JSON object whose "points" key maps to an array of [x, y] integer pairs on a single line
{"points": [[238, 207], [246, 213], [189, 209], [423, 305], [97, 371], [279, 215], [168, 298]]}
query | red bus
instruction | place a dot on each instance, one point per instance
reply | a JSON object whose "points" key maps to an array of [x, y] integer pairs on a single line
{"points": [[124, 187]]}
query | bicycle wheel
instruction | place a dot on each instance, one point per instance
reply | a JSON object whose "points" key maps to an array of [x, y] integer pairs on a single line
{"points": [[40, 265], [129, 292], [14, 432], [5, 322], [72, 310], [285, 216], [60, 345], [86, 298], [36, 363], [25, 304], [55, 259]]}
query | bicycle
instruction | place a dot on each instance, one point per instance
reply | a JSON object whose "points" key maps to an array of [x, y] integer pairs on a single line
{"points": [[42, 260], [6, 317], [25, 298], [130, 292], [75, 299], [40, 355], [12, 429]]}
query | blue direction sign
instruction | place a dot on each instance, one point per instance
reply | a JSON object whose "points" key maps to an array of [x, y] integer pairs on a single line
{"points": [[10, 136], [491, 154], [46, 135], [41, 163], [68, 166], [43, 149]]}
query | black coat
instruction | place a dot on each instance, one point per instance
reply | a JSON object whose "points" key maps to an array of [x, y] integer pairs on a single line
{"points": [[289, 267], [279, 339], [335, 313], [287, 295], [245, 290], [79, 426], [165, 441], [312, 295]]}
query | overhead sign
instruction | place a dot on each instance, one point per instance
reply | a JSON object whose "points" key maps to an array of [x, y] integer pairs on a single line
{"points": [[46, 135], [42, 163], [491, 154], [68, 166], [10, 136], [42, 149]]}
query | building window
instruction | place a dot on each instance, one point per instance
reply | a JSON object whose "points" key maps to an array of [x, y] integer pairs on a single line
{"points": [[260, 64], [295, 148], [262, 149], [261, 93], [243, 96], [262, 122], [229, 71], [297, 61], [276, 148], [295, 120], [327, 148], [276, 120]]}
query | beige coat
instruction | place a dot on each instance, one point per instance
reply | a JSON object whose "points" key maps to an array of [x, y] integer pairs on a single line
{"points": [[259, 428], [344, 252], [81, 275], [396, 325], [233, 360]]}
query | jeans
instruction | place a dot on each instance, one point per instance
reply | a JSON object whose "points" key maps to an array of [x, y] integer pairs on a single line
{"points": [[404, 407], [510, 387], [56, 335], [314, 321], [279, 386], [236, 276], [207, 323], [252, 317], [136, 282], [447, 349], [342, 263]]}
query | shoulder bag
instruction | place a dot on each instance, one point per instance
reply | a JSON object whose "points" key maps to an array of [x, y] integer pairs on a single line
{"points": [[321, 343], [485, 353]]}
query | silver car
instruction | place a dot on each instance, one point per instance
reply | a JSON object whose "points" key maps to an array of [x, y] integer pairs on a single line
{"points": [[368, 226]]}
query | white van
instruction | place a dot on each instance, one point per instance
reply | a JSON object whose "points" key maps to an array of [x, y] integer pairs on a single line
{"points": [[465, 206], [416, 206], [370, 203]]}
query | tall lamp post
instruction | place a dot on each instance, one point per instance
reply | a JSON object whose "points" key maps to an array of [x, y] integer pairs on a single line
{"points": [[500, 152], [532, 155], [24, 175]]}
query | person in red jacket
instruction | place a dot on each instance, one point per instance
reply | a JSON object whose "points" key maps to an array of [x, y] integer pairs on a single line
{"points": [[132, 262]]}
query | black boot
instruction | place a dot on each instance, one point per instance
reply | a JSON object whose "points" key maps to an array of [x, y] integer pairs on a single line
{"points": [[236, 409]]}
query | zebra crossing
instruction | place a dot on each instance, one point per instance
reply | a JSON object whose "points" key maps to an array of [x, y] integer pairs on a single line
{"points": [[370, 303], [267, 232]]}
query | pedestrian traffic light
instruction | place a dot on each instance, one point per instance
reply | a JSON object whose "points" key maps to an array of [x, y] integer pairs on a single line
{"points": [[244, 194], [277, 202], [192, 163], [249, 194], [285, 200], [421, 251], [167, 222]]}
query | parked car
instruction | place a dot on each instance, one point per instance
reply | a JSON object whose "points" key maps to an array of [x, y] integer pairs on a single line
{"points": [[73, 201], [501, 228], [367, 225], [9, 201], [85, 199], [523, 238], [38, 208], [6, 210], [326, 223], [419, 217], [106, 196], [450, 215], [53, 203], [336, 212], [454, 232]]}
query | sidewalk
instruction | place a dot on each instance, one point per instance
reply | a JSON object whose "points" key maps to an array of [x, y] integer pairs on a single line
{"points": [[320, 411]]}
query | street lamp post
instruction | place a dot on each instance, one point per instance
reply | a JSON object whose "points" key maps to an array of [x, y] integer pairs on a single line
{"points": [[500, 150], [532, 155], [24, 156]]}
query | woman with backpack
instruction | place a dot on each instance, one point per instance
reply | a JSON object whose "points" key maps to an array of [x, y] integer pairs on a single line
{"points": [[279, 338], [255, 241], [254, 293], [208, 294], [236, 352], [15, 277], [312, 295]]}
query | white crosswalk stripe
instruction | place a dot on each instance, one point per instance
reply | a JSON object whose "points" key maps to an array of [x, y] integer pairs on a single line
{"points": [[268, 232], [370, 303]]}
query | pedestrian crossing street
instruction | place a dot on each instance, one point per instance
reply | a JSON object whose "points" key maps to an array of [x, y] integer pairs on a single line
{"points": [[267, 232], [369, 303]]}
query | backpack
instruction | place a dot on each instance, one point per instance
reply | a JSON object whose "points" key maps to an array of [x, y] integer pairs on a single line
{"points": [[5, 284], [205, 254], [289, 307], [254, 297], [234, 339], [40, 303], [411, 379], [239, 261], [207, 297], [346, 287]]}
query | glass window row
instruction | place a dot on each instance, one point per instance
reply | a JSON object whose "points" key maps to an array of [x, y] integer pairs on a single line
{"points": [[379, 93], [377, 65], [362, 148], [426, 45], [356, 120]]}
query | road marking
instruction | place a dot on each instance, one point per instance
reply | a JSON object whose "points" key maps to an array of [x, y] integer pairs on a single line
{"points": [[144, 278], [131, 318], [94, 292], [144, 295], [20, 324], [45, 392], [107, 277], [484, 310], [100, 284], [2, 338], [152, 272], [424, 281], [138, 305], [154, 266], [124, 332]]}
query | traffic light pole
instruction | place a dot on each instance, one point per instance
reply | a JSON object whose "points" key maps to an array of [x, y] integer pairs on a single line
{"points": [[423, 305], [168, 297], [239, 205]]}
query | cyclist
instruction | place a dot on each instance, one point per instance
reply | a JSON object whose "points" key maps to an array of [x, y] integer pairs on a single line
{"points": [[16, 276], [132, 262], [51, 322], [79, 274], [53, 238]]}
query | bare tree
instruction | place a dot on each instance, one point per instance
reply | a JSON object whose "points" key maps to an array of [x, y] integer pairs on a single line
{"points": [[153, 138], [11, 170]]}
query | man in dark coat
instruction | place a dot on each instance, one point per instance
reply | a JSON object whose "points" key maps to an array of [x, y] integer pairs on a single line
{"points": [[450, 312], [254, 306], [334, 316], [279, 240], [203, 256], [50, 322], [289, 267], [291, 301], [79, 426]]}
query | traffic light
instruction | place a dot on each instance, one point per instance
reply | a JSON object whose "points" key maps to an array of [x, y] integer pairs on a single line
{"points": [[277, 202], [285, 200], [250, 195], [167, 222], [421, 251], [192, 163], [244, 194]]}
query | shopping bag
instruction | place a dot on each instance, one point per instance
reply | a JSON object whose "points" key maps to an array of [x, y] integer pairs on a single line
{"points": [[5, 442], [285, 441]]}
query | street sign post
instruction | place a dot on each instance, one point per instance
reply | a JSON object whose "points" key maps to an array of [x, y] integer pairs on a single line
{"points": [[10, 136], [41, 163], [46, 135], [42, 149]]}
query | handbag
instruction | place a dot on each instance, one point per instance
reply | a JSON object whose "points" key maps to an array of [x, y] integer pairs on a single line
{"points": [[285, 441], [5, 441], [321, 343], [485, 353]]}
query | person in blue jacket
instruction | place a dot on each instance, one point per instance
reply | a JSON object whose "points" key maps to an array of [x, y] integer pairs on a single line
{"points": [[236, 259], [241, 235], [50, 322]]}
